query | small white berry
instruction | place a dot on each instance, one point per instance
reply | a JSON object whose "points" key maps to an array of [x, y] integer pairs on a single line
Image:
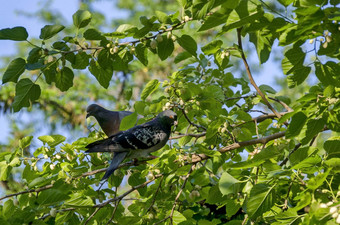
{"points": [[53, 212], [333, 209], [52, 166], [159, 38]]}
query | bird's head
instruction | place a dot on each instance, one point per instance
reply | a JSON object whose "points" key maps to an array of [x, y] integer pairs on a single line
{"points": [[92, 110], [168, 117]]}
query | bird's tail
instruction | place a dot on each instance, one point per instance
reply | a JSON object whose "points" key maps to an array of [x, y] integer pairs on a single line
{"points": [[118, 157], [99, 146]]}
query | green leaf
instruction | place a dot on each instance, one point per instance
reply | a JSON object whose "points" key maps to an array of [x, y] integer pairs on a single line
{"points": [[230, 4], [212, 47], [261, 199], [64, 79], [314, 126], [49, 31], [136, 179], [232, 207], [128, 121], [25, 142], [201, 8], [182, 56], [15, 68], [300, 74], [81, 61], [328, 74], [288, 217], [79, 200], [4, 171], [93, 35], [315, 182], [263, 43], [165, 48], [52, 140], [26, 92], [296, 125], [123, 28], [293, 60], [267, 89], [162, 17], [245, 13], [188, 43], [14, 34], [178, 217], [102, 75], [226, 182], [52, 196], [150, 87], [81, 18], [217, 18], [142, 54], [331, 146]]}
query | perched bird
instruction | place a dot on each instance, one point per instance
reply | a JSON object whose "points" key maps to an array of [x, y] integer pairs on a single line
{"points": [[108, 120], [136, 142]]}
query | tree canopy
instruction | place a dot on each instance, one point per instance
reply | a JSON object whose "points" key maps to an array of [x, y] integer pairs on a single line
{"points": [[242, 153]]}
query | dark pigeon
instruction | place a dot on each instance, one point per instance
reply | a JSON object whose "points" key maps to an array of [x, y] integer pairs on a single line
{"points": [[136, 142], [108, 120]]}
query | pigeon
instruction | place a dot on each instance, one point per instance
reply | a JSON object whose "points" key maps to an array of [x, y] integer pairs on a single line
{"points": [[137, 141], [108, 120]]}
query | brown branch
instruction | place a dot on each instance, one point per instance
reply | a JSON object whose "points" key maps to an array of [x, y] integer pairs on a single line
{"points": [[251, 79], [191, 135], [92, 215], [120, 197], [261, 118], [37, 190], [154, 197], [189, 121], [58, 211], [114, 212], [199, 157], [283, 104]]}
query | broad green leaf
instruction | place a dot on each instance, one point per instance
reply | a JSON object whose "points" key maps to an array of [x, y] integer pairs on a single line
{"points": [[14, 34], [296, 125], [263, 43], [188, 43], [300, 74], [128, 121], [310, 162], [288, 217], [178, 217], [136, 179], [216, 19], [81, 61], [64, 79], [102, 75], [79, 200], [212, 47], [245, 13], [52, 196], [15, 68], [314, 126], [226, 183], [49, 31], [142, 54], [25, 142], [286, 2], [150, 87], [52, 140], [81, 18], [331, 146], [26, 92], [328, 74], [201, 8], [125, 28], [182, 56], [267, 89], [93, 35], [232, 207], [38, 182], [230, 4], [318, 180], [162, 17], [165, 48], [261, 199], [293, 60], [4, 171]]}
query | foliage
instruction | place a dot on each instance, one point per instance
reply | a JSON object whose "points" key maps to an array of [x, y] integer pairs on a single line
{"points": [[224, 164]]}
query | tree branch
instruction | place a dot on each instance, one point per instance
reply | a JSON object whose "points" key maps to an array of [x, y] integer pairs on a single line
{"points": [[251, 79]]}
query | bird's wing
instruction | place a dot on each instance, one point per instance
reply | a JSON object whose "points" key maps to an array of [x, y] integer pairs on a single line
{"points": [[117, 159], [141, 137]]}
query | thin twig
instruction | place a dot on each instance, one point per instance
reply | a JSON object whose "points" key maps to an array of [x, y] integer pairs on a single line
{"points": [[191, 135], [58, 211], [155, 195], [114, 212], [92, 215], [189, 121], [250, 76]]}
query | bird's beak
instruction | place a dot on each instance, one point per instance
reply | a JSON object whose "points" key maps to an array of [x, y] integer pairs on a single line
{"points": [[87, 115]]}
